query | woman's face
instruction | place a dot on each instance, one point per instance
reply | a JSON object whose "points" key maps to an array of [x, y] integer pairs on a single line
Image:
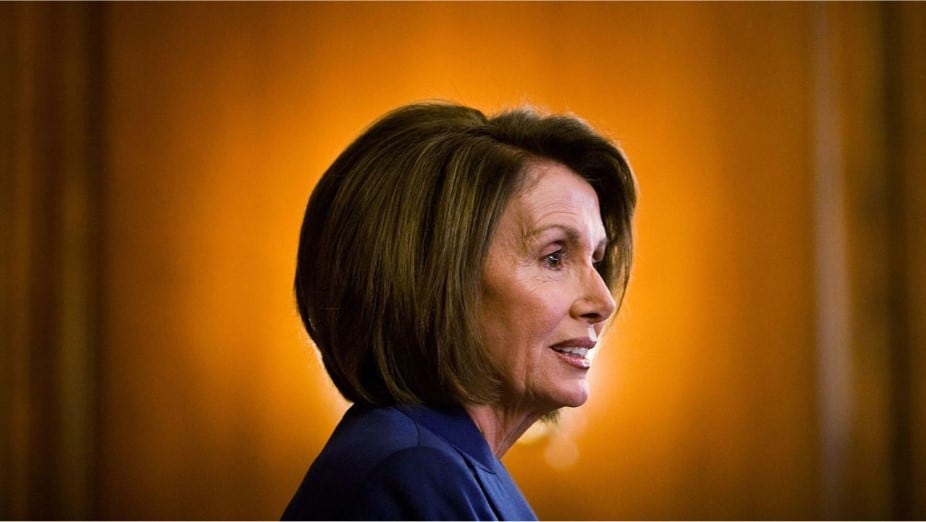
{"points": [[543, 304]]}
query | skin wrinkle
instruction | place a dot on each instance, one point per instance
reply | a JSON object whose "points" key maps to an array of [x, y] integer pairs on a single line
{"points": [[528, 304]]}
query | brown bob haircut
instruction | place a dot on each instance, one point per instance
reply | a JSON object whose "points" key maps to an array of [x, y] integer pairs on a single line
{"points": [[396, 234]]}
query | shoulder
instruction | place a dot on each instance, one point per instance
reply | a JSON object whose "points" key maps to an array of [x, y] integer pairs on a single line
{"points": [[382, 464], [422, 483]]}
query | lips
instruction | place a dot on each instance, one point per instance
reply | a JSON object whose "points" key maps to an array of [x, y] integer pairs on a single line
{"points": [[575, 351]]}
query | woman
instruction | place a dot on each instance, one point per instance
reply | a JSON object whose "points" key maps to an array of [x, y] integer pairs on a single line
{"points": [[454, 271]]}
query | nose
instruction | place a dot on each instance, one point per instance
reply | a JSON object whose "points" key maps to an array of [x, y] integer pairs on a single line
{"points": [[595, 304]]}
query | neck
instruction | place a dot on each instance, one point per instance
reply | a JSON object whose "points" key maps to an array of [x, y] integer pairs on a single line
{"points": [[501, 427]]}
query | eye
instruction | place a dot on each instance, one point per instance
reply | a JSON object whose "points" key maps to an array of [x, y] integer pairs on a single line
{"points": [[598, 260], [554, 261]]}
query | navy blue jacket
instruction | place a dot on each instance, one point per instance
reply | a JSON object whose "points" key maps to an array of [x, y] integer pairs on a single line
{"points": [[407, 463]]}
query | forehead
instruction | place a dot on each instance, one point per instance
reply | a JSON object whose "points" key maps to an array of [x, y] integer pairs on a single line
{"points": [[555, 195]]}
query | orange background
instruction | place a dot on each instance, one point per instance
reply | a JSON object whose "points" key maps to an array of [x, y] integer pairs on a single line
{"points": [[767, 362]]}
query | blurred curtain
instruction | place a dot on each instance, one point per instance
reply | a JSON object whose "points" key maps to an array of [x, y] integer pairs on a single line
{"points": [[50, 181], [870, 129], [871, 255]]}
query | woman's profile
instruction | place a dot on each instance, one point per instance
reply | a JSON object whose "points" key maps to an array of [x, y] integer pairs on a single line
{"points": [[454, 272]]}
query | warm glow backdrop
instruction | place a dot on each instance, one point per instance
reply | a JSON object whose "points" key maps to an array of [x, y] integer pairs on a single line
{"points": [[768, 361]]}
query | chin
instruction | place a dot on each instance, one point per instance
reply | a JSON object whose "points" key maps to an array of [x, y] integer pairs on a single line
{"points": [[572, 398]]}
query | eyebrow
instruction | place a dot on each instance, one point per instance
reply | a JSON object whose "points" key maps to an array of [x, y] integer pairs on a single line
{"points": [[572, 235]]}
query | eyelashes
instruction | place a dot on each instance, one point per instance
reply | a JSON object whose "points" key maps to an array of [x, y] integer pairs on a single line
{"points": [[557, 260]]}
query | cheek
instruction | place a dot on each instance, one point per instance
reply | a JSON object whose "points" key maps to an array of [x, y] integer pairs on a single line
{"points": [[539, 315], [517, 320], [520, 310]]}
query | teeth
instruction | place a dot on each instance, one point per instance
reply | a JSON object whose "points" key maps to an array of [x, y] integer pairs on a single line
{"points": [[581, 352]]}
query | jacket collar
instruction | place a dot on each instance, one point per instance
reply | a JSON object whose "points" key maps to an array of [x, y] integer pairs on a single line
{"points": [[454, 425]]}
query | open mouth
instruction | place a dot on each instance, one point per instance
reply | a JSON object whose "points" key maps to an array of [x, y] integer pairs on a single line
{"points": [[574, 355]]}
